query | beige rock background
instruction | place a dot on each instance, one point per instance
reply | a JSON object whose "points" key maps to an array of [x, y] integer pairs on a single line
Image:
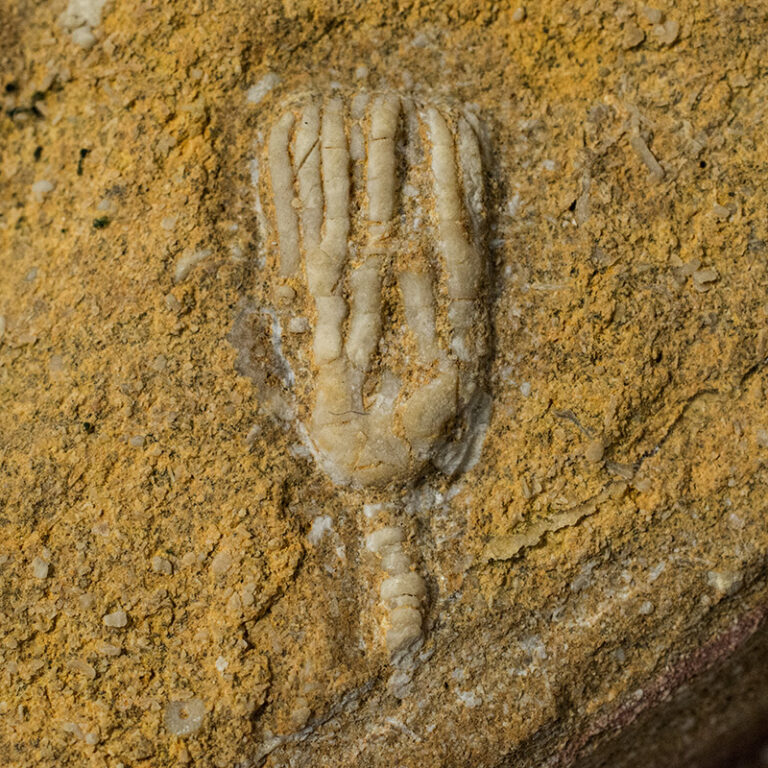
{"points": [[156, 518]]}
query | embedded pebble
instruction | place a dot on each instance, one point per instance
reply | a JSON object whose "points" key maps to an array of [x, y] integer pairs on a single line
{"points": [[79, 19], [258, 91], [469, 698], [594, 451], [725, 582], [40, 189], [56, 365], [653, 15], [161, 565], [667, 32], [646, 608], [40, 568], [183, 718], [320, 526], [188, 261], [107, 649], [221, 563], [115, 619], [78, 665], [84, 37], [633, 36], [656, 571], [703, 276], [172, 303], [73, 728]]}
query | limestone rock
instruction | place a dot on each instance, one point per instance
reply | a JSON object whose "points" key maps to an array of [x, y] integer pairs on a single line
{"points": [[588, 589]]}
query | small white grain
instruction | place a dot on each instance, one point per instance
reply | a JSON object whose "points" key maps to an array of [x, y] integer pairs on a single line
{"points": [[183, 718], [40, 568], [725, 582], [107, 649], [116, 619], [221, 563], [161, 565], [80, 12], [172, 303], [667, 32], [654, 15], [320, 525], [82, 667], [84, 37], [258, 91], [188, 261], [708, 275], [42, 188]]}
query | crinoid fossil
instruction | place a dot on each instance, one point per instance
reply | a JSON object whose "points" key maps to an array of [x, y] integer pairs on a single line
{"points": [[376, 242]]}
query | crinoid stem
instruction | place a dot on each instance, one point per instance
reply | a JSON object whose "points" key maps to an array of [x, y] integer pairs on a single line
{"points": [[402, 591]]}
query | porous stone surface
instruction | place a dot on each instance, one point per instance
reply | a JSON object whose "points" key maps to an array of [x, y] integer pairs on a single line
{"points": [[182, 584]]}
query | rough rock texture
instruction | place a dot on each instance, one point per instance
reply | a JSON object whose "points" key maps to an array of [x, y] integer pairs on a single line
{"points": [[170, 557]]}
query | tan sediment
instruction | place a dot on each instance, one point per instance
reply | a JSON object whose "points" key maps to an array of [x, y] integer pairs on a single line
{"points": [[134, 456]]}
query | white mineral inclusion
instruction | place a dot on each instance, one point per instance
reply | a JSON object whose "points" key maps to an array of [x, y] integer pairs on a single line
{"points": [[183, 718], [378, 211], [320, 526], [258, 91], [80, 18]]}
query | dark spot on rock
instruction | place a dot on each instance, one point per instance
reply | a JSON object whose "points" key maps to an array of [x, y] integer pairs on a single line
{"points": [[83, 154]]}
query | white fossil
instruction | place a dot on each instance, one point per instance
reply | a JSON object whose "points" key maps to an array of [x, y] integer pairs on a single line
{"points": [[377, 211]]}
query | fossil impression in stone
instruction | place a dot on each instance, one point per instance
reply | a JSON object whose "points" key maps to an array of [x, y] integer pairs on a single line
{"points": [[379, 219], [402, 592], [381, 280]]}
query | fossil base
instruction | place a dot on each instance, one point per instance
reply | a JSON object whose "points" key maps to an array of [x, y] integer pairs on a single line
{"points": [[181, 585]]}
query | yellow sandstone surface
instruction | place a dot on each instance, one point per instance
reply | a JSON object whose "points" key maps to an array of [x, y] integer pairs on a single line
{"points": [[164, 538]]}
